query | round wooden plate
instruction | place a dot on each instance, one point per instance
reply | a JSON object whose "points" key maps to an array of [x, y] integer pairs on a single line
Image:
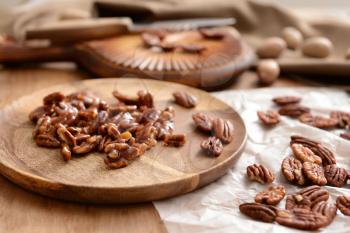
{"points": [[161, 173]]}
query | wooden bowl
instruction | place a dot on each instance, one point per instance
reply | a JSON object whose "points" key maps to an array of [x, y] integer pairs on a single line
{"points": [[161, 173]]}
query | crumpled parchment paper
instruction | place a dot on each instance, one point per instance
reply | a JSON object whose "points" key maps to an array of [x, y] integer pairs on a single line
{"points": [[214, 208]]}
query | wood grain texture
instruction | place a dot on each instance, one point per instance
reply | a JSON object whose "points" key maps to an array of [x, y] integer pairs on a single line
{"points": [[163, 171], [23, 211]]}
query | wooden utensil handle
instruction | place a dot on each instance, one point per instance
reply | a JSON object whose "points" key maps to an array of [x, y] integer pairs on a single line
{"points": [[16, 54]]}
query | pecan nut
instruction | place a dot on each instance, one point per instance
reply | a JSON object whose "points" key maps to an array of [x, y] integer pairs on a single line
{"points": [[260, 174], [326, 209], [285, 100], [260, 212], [343, 204], [304, 154], [293, 110], [203, 122], [307, 198], [184, 99], [335, 176], [269, 117], [314, 173], [223, 129], [343, 118], [318, 121], [53, 98], [271, 196], [176, 140], [292, 170], [212, 146]]}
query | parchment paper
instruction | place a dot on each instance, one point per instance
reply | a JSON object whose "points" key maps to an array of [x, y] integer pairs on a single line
{"points": [[214, 208]]}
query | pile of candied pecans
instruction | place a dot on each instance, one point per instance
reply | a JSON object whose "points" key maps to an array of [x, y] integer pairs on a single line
{"points": [[313, 164], [81, 122], [290, 106]]}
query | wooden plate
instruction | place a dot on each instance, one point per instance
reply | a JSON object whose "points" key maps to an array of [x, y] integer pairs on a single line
{"points": [[162, 172]]}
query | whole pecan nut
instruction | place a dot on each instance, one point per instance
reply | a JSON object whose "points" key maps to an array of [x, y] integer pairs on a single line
{"points": [[318, 121], [184, 99], [343, 118], [304, 154], [293, 110], [223, 129], [203, 122], [260, 212], [260, 174], [292, 170], [285, 100], [335, 176], [307, 197], [212, 146], [343, 204], [314, 173], [269, 117], [326, 209], [271, 196]]}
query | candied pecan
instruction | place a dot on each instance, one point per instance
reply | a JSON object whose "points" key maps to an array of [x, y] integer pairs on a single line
{"points": [[112, 130], [125, 99], [38, 113], [143, 133], [326, 209], [66, 152], [307, 197], [53, 98], [342, 117], [163, 128], [260, 174], [271, 196], [324, 153], [193, 48], [87, 145], [65, 136], [184, 99], [121, 108], [223, 129], [118, 146], [304, 154], [212, 146], [314, 173], [176, 140], [318, 121], [46, 140], [285, 100], [302, 219], [130, 154], [292, 170], [120, 163], [343, 204], [293, 110], [269, 117], [260, 212], [145, 99], [345, 136], [149, 115], [335, 176], [203, 121]]}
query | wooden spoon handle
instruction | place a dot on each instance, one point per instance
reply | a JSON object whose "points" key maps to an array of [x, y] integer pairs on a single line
{"points": [[17, 54]]}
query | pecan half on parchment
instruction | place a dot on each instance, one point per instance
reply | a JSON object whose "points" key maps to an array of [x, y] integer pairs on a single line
{"points": [[343, 204], [285, 100], [314, 173], [269, 117], [293, 110], [260, 212], [336, 176], [260, 174], [271, 196], [292, 169]]}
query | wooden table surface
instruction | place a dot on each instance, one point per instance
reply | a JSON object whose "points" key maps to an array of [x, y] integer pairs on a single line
{"points": [[23, 211]]}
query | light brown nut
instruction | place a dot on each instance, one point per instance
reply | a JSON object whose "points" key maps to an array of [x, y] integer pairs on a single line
{"points": [[128, 100], [260, 174], [203, 122], [53, 98], [335, 176], [287, 99], [292, 170], [342, 117], [118, 146], [268, 71], [293, 110], [223, 129], [87, 146], [66, 152], [184, 99], [326, 209], [307, 197], [301, 219], [323, 152], [269, 117], [317, 47], [343, 204], [46, 140], [271, 196], [130, 154], [212, 146], [149, 115], [304, 154], [314, 173], [259, 212], [176, 140], [120, 163], [271, 48], [65, 136], [318, 121], [292, 37]]}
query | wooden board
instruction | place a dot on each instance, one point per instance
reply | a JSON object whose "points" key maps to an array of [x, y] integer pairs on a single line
{"points": [[162, 172]]}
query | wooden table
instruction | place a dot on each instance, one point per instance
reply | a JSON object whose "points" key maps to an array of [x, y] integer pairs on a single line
{"points": [[23, 211]]}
